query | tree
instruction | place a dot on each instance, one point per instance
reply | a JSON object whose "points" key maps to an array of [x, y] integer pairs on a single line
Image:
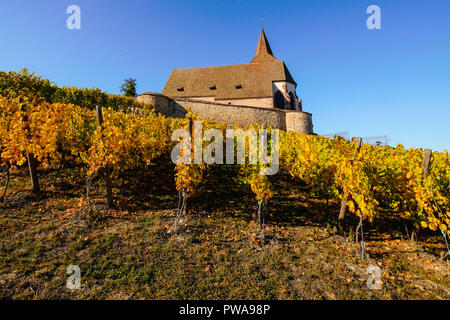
{"points": [[128, 87]]}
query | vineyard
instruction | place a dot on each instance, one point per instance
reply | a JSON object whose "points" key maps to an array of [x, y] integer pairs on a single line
{"points": [[111, 143]]}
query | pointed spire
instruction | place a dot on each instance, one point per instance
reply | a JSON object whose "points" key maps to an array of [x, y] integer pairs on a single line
{"points": [[263, 48], [263, 45]]}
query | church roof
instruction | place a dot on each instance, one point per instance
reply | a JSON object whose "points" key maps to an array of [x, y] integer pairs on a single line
{"points": [[263, 51], [239, 81]]}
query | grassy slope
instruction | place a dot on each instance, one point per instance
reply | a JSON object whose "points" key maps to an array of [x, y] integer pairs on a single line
{"points": [[128, 254]]}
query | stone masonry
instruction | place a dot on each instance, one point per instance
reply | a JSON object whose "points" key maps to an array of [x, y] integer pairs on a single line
{"points": [[289, 120]]}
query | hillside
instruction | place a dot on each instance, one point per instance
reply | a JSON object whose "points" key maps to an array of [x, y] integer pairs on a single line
{"points": [[92, 181], [127, 252]]}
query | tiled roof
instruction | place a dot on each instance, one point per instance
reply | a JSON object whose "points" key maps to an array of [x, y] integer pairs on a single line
{"points": [[240, 81], [263, 52]]}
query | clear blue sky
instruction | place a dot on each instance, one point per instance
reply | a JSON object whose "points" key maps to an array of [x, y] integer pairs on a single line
{"points": [[394, 81]]}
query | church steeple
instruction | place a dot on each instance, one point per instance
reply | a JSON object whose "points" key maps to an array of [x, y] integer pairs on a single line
{"points": [[263, 51]]}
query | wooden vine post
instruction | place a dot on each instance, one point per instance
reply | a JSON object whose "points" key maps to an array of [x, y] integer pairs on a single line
{"points": [[6, 175], [31, 159], [261, 219], [425, 166], [262, 203], [190, 127], [426, 161], [107, 170], [191, 133], [358, 142], [182, 196]]}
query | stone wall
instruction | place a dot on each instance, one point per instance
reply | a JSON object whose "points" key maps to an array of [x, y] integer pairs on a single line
{"points": [[299, 121], [243, 116]]}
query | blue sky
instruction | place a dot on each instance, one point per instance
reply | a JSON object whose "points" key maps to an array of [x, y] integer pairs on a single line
{"points": [[394, 81]]}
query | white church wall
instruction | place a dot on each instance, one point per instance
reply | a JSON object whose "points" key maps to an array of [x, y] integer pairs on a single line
{"points": [[252, 102], [286, 87]]}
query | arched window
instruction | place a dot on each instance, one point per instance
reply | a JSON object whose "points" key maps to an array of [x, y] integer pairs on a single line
{"points": [[278, 100], [292, 101]]}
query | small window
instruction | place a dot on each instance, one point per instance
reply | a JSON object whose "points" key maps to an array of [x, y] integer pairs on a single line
{"points": [[239, 86], [212, 88], [180, 89]]}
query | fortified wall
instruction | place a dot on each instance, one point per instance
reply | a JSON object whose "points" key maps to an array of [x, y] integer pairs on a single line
{"points": [[288, 120]]}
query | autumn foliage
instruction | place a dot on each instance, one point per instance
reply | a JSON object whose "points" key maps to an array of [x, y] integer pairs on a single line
{"points": [[371, 177]]}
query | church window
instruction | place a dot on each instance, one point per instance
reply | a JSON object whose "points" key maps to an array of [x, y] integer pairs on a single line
{"points": [[278, 100]]}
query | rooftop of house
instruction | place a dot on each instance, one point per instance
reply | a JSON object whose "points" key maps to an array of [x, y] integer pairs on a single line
{"points": [[239, 81]]}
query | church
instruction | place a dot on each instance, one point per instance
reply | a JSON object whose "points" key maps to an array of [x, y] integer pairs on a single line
{"points": [[264, 82], [261, 92]]}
